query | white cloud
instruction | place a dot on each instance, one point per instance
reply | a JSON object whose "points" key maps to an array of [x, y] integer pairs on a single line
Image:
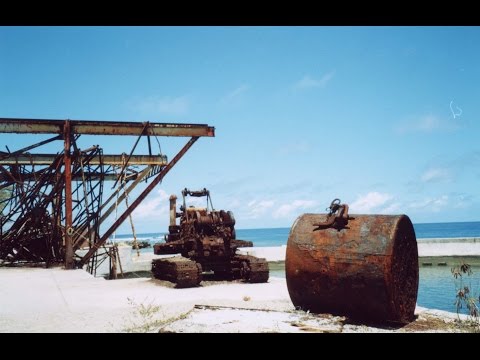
{"points": [[155, 207], [446, 169], [428, 123], [372, 201], [393, 208], [238, 91], [435, 174], [461, 201], [155, 105], [307, 82], [440, 202], [287, 210], [200, 202], [258, 208], [425, 124], [236, 94], [432, 204]]}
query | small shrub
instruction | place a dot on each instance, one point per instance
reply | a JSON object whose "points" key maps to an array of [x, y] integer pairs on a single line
{"points": [[465, 297], [148, 318]]}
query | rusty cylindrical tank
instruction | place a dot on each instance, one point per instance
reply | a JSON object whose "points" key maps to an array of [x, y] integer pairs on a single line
{"points": [[365, 270]]}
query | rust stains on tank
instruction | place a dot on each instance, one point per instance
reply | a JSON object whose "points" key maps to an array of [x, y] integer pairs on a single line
{"points": [[366, 267]]}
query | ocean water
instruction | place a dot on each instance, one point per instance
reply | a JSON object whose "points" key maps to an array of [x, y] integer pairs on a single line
{"points": [[437, 287], [447, 230], [423, 232]]}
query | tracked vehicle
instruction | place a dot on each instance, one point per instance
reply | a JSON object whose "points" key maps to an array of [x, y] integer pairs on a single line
{"points": [[206, 242]]}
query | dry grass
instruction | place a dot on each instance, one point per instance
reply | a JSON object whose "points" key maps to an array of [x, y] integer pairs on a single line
{"points": [[148, 318]]}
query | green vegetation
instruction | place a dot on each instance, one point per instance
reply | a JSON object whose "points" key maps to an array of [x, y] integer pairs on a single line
{"points": [[466, 297]]}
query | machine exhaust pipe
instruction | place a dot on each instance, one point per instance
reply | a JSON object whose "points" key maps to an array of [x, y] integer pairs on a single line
{"points": [[173, 210]]}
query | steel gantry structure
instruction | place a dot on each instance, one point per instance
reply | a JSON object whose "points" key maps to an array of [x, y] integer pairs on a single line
{"points": [[51, 205]]}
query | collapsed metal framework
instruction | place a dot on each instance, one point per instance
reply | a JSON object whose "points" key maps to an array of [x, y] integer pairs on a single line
{"points": [[51, 205]]}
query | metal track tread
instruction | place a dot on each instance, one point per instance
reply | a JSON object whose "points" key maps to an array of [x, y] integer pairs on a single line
{"points": [[255, 270], [183, 272]]}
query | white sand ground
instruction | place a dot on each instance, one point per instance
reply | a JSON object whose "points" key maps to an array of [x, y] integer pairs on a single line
{"points": [[57, 300]]}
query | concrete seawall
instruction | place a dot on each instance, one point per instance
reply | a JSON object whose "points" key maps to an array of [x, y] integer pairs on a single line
{"points": [[448, 247], [437, 247], [427, 248]]}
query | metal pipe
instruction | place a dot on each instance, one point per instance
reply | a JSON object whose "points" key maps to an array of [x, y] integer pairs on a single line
{"points": [[173, 210]]}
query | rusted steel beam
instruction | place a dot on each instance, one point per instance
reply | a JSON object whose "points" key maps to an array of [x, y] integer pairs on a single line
{"points": [[118, 200], [69, 253], [47, 159], [25, 149], [43, 126], [137, 201], [127, 159], [5, 178], [122, 196], [364, 267]]}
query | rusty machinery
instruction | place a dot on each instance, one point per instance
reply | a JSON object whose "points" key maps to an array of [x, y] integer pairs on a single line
{"points": [[52, 204], [362, 266], [207, 241]]}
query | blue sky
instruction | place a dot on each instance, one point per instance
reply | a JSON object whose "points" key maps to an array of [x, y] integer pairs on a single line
{"points": [[384, 118]]}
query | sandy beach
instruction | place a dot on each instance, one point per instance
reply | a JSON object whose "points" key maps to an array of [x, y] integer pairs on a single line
{"points": [[56, 300]]}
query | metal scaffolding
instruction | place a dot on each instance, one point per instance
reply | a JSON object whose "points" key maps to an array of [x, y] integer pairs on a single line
{"points": [[51, 205]]}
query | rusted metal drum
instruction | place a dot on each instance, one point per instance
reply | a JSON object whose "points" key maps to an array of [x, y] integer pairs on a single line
{"points": [[366, 269]]}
